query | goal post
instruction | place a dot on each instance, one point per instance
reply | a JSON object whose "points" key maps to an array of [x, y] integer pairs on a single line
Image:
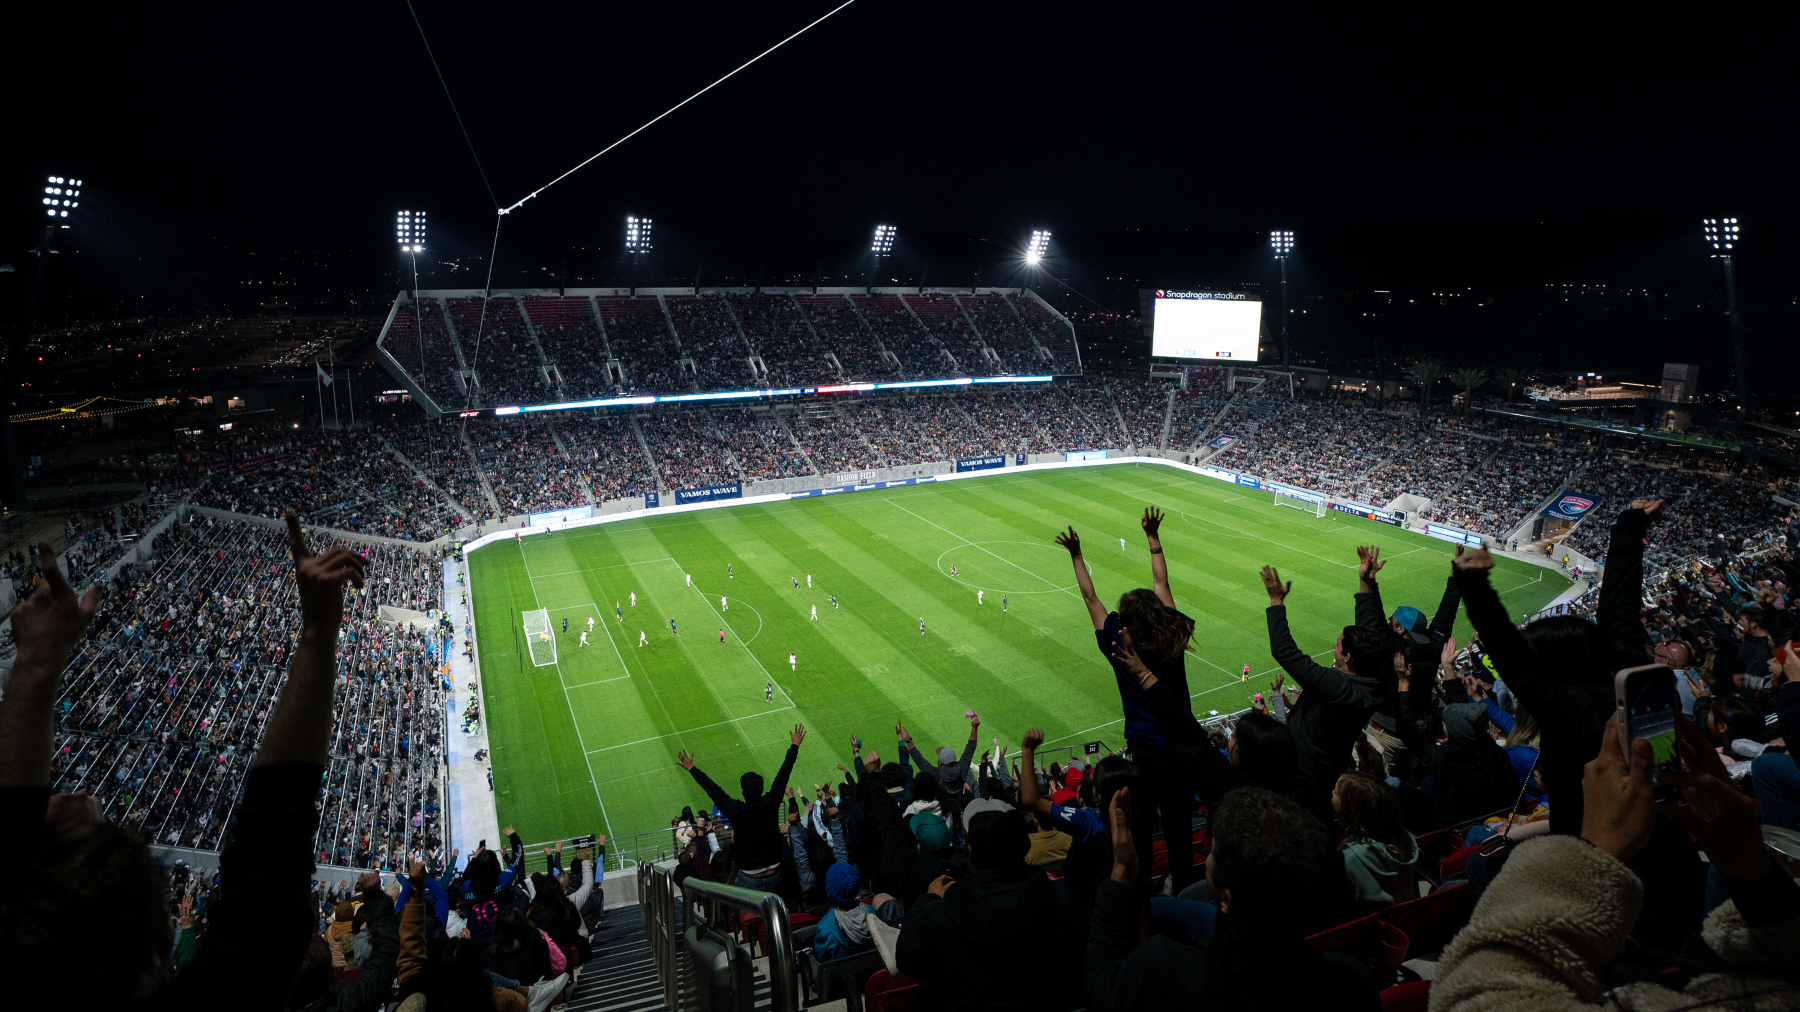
{"points": [[539, 638], [1314, 504]]}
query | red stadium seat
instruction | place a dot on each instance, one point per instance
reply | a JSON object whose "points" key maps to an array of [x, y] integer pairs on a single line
{"points": [[1431, 921], [1412, 996], [883, 993], [1457, 861], [1369, 940]]}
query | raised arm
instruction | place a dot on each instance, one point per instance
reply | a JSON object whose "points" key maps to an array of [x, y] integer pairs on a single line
{"points": [[779, 784], [1369, 612], [1029, 798], [713, 791], [1159, 566], [1622, 593], [1514, 660], [1307, 673], [301, 725], [1085, 582], [47, 626]]}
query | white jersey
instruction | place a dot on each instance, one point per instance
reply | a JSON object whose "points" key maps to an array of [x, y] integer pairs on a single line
{"points": [[815, 612], [641, 638], [590, 623], [634, 599], [584, 639], [690, 579], [791, 661], [978, 595], [722, 605], [809, 581]]}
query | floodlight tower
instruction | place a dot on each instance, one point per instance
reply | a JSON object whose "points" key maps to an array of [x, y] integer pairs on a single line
{"points": [[61, 201], [1722, 233], [1040, 245], [637, 235], [1283, 245], [409, 229]]}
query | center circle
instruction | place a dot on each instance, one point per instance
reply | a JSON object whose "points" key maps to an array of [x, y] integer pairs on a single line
{"points": [[997, 564]]}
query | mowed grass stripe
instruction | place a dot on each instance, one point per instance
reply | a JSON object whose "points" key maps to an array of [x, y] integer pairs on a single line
{"points": [[885, 554]]}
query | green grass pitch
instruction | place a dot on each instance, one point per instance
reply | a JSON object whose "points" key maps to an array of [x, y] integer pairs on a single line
{"points": [[588, 745]]}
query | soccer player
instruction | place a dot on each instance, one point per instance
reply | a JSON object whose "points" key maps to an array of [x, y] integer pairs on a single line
{"points": [[978, 595], [672, 627], [834, 604], [724, 605], [584, 639], [690, 579], [642, 639], [796, 581], [952, 569], [768, 692], [1246, 674], [618, 613], [728, 573], [793, 665], [921, 625], [634, 599], [721, 637], [565, 623], [590, 623], [815, 614], [809, 581], [1003, 602], [1121, 544]]}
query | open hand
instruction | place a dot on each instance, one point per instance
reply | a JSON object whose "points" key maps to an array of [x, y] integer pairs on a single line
{"points": [[416, 870], [799, 734], [1072, 541], [684, 759], [1125, 857], [1479, 559], [1275, 686], [508, 831], [1448, 657], [184, 914], [1652, 508], [1278, 591], [1152, 520], [871, 762], [1369, 561], [1126, 654], [49, 623]]}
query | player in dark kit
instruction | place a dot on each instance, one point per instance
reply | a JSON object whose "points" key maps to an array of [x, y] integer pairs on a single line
{"points": [[672, 628], [769, 692]]}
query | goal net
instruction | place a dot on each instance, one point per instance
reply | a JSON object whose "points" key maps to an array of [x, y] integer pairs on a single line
{"points": [[538, 637], [1311, 504]]}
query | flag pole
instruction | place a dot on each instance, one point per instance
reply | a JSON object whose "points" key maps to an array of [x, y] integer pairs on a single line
{"points": [[318, 374]]}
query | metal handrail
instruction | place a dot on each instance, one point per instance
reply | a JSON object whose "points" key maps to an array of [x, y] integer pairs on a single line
{"points": [[656, 894]]}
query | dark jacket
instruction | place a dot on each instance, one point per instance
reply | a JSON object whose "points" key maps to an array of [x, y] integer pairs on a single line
{"points": [[1473, 773], [1572, 716], [972, 947], [1333, 708], [369, 991], [1166, 974], [755, 833], [527, 964], [260, 925], [904, 870], [1370, 614]]}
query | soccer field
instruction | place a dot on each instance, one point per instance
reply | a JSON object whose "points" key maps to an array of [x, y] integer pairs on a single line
{"points": [[588, 745]]}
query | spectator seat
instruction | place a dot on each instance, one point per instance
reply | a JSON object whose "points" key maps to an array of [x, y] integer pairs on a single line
{"points": [[1432, 920]]}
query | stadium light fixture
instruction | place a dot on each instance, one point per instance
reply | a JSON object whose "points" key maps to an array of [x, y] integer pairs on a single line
{"points": [[1723, 235], [1040, 245], [637, 235], [1282, 242], [409, 228], [61, 195], [884, 240]]}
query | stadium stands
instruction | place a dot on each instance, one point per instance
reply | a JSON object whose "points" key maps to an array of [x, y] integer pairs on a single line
{"points": [[841, 328], [689, 451], [638, 334], [1011, 337], [569, 334], [606, 448], [945, 321], [709, 333], [902, 335], [784, 340], [161, 709], [526, 469]]}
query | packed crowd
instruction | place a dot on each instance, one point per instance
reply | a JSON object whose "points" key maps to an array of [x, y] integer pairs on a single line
{"points": [[710, 336], [1527, 467], [607, 450], [779, 332], [347, 480], [160, 709], [689, 451], [840, 327], [500, 350], [525, 467], [1393, 803]]}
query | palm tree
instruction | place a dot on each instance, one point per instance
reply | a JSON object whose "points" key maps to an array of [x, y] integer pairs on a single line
{"points": [[1469, 380], [1511, 379], [1425, 372]]}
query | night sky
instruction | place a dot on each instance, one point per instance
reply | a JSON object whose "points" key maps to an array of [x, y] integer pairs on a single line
{"points": [[1408, 152]]}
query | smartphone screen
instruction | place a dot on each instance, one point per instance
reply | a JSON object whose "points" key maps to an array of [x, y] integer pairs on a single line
{"points": [[1650, 708]]}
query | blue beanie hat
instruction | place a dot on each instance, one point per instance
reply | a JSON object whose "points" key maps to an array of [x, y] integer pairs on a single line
{"points": [[840, 885]]}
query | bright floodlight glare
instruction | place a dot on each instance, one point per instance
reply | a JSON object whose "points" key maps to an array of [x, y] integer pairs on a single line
{"points": [[1040, 245], [637, 235], [409, 228], [884, 240], [1722, 233], [1282, 243], [59, 196]]}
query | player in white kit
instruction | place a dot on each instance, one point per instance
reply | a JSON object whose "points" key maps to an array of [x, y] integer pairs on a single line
{"points": [[815, 614], [809, 580], [634, 599], [590, 623], [584, 639], [723, 604], [978, 593], [793, 665], [690, 579], [642, 639]]}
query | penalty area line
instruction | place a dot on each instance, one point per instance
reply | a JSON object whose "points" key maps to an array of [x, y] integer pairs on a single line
{"points": [[702, 727]]}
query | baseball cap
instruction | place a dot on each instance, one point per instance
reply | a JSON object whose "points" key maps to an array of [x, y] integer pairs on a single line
{"points": [[931, 832], [1413, 621]]}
